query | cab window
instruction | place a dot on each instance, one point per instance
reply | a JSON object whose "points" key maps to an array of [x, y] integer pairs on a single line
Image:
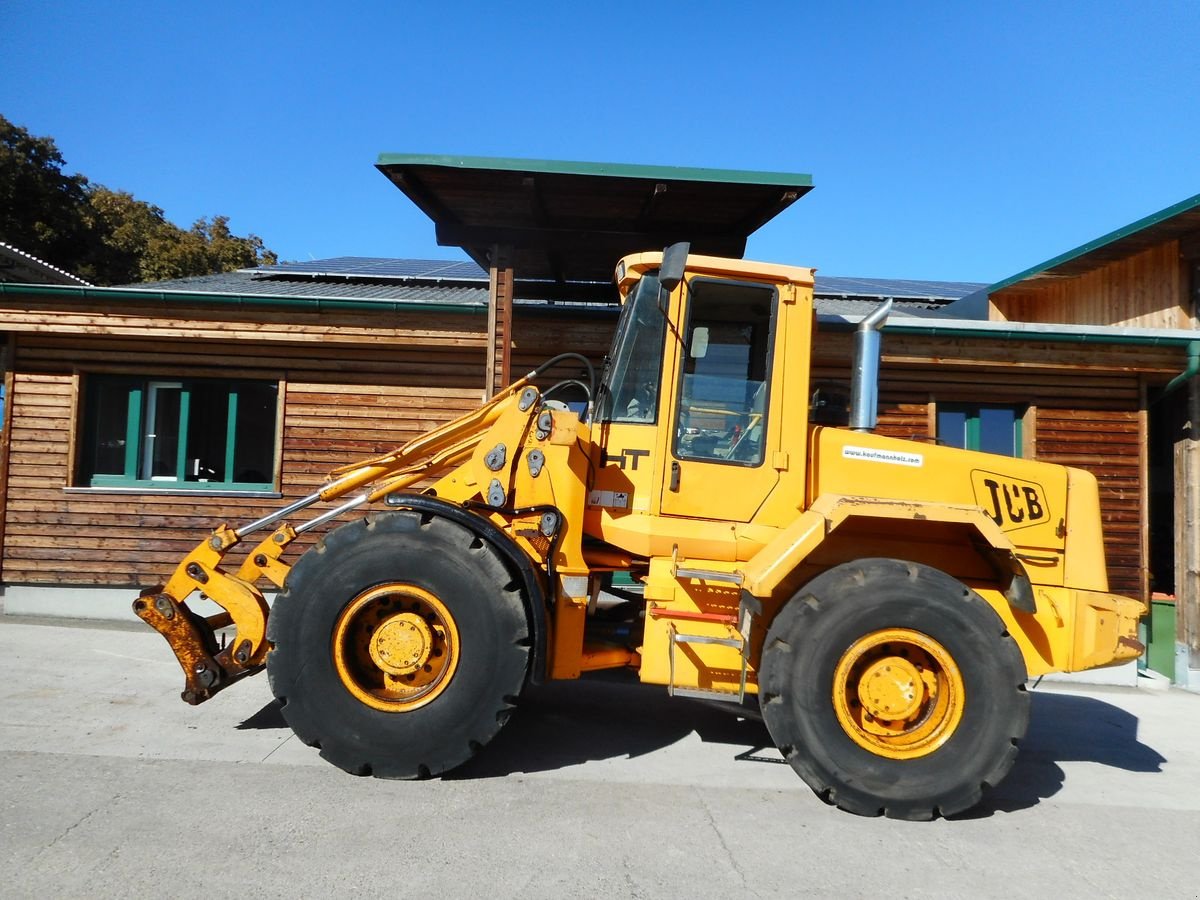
{"points": [[635, 365], [725, 374]]}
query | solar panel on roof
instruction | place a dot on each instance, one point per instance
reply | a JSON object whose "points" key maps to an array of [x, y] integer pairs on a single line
{"points": [[385, 268], [382, 267], [893, 287]]}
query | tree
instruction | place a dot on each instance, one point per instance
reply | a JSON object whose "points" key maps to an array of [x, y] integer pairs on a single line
{"points": [[43, 211], [105, 236]]}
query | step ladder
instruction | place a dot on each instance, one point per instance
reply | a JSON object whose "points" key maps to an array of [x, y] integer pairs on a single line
{"points": [[739, 640]]}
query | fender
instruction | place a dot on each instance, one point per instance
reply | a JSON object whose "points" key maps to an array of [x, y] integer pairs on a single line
{"points": [[767, 568], [534, 593]]}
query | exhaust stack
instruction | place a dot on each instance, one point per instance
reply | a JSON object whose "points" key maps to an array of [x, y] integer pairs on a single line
{"points": [[864, 387]]}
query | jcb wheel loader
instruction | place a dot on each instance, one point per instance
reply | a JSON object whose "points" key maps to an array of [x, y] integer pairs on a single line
{"points": [[884, 601]]}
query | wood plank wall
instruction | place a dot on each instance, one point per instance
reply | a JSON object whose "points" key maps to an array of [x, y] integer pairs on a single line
{"points": [[1147, 290], [342, 401], [1109, 443], [541, 333]]}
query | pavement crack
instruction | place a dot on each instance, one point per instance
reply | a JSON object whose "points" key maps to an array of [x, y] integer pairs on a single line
{"points": [[721, 839], [76, 824], [277, 746]]}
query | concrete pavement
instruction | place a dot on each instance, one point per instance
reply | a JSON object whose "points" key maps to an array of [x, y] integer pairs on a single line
{"points": [[110, 786]]}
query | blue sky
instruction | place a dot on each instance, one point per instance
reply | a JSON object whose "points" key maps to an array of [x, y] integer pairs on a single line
{"points": [[956, 141]]}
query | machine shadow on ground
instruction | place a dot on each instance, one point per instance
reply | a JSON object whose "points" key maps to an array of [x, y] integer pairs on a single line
{"points": [[1068, 728], [610, 715]]}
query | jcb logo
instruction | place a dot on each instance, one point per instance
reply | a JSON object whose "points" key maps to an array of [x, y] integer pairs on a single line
{"points": [[1010, 502]]}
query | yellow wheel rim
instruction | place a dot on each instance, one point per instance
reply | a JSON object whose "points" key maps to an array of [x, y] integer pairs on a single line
{"points": [[395, 647], [898, 693]]}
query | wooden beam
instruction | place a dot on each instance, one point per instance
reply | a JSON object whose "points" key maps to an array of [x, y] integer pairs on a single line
{"points": [[1144, 483], [489, 359], [8, 356], [500, 319]]}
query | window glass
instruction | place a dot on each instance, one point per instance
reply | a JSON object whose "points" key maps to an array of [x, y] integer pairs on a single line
{"points": [[952, 427], [160, 434], [992, 429], [997, 430], [723, 395], [194, 434], [254, 452], [106, 426], [634, 371]]}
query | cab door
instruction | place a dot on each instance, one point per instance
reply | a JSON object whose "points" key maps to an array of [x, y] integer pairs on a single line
{"points": [[723, 438]]}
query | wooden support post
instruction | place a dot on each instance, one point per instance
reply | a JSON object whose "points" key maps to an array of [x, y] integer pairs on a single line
{"points": [[1187, 544], [500, 319], [1144, 487], [8, 354]]}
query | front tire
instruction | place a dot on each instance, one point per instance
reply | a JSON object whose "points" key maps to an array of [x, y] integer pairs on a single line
{"points": [[892, 688], [400, 644]]}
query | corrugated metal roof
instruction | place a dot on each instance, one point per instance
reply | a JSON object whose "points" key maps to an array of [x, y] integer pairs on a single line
{"points": [[859, 306], [449, 281], [265, 283]]}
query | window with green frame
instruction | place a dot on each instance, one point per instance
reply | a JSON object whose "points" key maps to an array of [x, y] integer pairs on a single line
{"points": [[192, 434], [992, 429]]}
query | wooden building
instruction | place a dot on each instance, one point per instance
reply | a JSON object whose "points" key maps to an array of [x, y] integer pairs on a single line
{"points": [[1141, 284], [139, 417]]}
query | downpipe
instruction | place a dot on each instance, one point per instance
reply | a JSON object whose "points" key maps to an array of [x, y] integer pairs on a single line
{"points": [[864, 386]]}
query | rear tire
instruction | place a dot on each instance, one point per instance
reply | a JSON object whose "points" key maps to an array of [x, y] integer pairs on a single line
{"points": [[892, 688], [400, 643]]}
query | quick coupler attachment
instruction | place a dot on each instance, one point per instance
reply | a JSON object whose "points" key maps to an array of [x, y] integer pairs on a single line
{"points": [[207, 666]]}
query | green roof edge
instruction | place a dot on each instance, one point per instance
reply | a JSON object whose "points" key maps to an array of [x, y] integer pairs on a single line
{"points": [[1113, 236], [614, 170]]}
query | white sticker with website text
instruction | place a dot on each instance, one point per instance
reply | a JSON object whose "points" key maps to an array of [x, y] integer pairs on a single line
{"points": [[891, 457]]}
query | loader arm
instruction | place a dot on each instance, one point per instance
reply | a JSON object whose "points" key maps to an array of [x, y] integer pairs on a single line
{"points": [[209, 664]]}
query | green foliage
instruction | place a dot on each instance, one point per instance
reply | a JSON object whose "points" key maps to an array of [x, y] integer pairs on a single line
{"points": [[43, 211], [102, 235]]}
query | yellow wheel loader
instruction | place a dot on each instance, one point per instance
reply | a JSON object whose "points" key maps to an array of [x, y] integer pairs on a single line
{"points": [[883, 601]]}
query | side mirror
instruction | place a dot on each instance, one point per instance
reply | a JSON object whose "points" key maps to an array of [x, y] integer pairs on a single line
{"points": [[674, 261], [698, 347]]}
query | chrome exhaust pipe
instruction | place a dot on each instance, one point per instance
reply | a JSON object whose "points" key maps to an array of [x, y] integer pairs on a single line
{"points": [[864, 386]]}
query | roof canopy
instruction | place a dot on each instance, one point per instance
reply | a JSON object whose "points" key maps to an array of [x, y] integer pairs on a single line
{"points": [[572, 221]]}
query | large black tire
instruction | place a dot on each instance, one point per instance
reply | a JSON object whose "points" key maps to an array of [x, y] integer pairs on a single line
{"points": [[466, 705], [851, 606]]}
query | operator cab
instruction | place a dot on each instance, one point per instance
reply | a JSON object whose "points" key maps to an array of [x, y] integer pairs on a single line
{"points": [[692, 401]]}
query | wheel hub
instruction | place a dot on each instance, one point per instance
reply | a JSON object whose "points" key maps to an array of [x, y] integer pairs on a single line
{"points": [[891, 688], [898, 693], [395, 647], [402, 644]]}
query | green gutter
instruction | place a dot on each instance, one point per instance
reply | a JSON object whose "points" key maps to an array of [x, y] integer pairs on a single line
{"points": [[1192, 370], [1064, 337], [1064, 334], [615, 170], [186, 298]]}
